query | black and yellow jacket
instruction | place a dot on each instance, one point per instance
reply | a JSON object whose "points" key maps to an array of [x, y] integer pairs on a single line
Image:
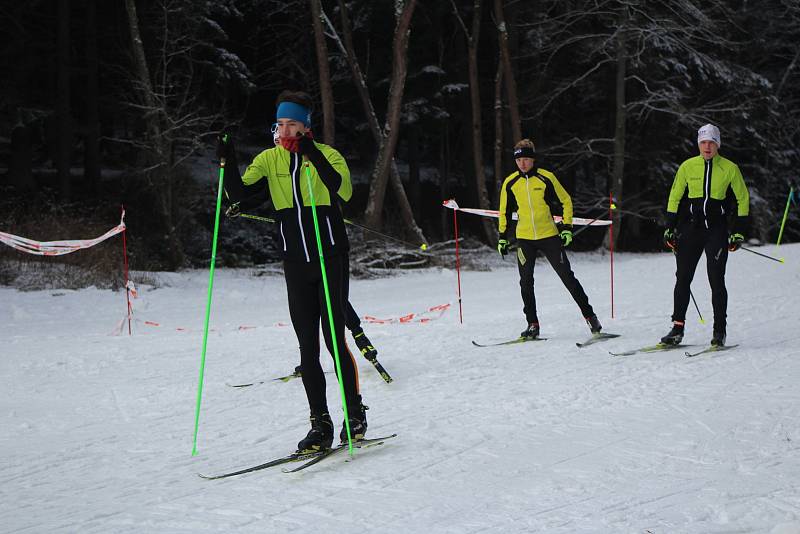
{"points": [[534, 196], [287, 186], [705, 184]]}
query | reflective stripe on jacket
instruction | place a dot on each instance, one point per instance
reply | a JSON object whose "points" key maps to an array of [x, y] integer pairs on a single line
{"points": [[288, 188]]}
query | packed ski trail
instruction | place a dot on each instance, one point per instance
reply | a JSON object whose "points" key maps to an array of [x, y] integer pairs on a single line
{"points": [[532, 437]]}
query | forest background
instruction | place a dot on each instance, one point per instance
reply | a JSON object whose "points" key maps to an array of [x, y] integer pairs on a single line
{"points": [[105, 104]]}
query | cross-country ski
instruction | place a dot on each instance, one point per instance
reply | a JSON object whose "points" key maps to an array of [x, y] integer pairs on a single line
{"points": [[658, 347], [711, 349], [514, 341]]}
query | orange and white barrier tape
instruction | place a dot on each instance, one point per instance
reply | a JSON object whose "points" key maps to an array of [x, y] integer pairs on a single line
{"points": [[58, 248], [428, 315], [155, 324], [577, 221]]}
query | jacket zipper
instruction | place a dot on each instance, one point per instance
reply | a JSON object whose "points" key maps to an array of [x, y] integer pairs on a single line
{"points": [[706, 190], [530, 206], [295, 173]]}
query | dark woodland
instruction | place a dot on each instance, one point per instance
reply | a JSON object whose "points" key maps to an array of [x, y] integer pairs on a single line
{"points": [[111, 103]]}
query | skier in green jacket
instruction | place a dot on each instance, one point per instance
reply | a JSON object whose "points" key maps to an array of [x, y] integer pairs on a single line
{"points": [[283, 171], [703, 183], [533, 193]]}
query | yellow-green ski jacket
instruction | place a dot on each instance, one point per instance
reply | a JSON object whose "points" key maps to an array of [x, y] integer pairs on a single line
{"points": [[287, 185], [534, 197], [705, 183]]}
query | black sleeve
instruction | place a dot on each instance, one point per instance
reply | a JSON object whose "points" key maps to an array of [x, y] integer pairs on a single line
{"points": [[328, 175], [672, 219], [236, 191], [511, 205], [551, 197], [741, 224]]}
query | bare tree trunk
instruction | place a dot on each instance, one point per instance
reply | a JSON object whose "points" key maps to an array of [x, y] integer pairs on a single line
{"points": [[475, 104], [21, 157], [498, 127], [511, 83], [144, 86], [63, 120], [91, 171], [391, 129], [348, 50], [325, 89], [444, 176], [618, 173], [160, 156], [413, 168]]}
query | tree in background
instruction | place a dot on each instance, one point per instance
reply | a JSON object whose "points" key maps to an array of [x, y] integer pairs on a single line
{"points": [[174, 103], [612, 92]]}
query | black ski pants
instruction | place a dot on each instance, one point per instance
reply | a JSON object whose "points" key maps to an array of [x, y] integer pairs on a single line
{"points": [[308, 308], [693, 240], [557, 256]]}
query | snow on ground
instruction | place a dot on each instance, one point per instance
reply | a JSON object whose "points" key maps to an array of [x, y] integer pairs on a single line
{"points": [[541, 437]]}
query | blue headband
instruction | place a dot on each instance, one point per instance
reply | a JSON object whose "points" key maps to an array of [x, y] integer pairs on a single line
{"points": [[295, 112]]}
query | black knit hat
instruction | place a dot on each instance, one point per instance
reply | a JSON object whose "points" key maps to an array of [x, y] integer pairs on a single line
{"points": [[524, 152]]}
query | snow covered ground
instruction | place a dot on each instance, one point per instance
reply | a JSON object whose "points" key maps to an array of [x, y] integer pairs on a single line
{"points": [[541, 437]]}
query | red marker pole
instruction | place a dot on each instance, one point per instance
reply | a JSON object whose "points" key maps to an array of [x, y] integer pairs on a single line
{"points": [[611, 245], [458, 267]]}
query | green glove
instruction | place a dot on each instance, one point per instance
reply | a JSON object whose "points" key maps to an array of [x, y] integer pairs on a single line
{"points": [[502, 247], [735, 241], [671, 238], [566, 236]]}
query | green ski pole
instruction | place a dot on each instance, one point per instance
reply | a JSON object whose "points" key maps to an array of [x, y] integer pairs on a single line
{"points": [[208, 303], [783, 222], [330, 308]]}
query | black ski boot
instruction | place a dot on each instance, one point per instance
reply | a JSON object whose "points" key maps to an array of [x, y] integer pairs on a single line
{"points": [[320, 437], [298, 371], [365, 345], [531, 332], [357, 415], [594, 324], [718, 339], [675, 336]]}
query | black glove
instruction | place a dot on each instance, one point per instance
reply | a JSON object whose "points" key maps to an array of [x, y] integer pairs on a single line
{"points": [[225, 148], [735, 241], [671, 238], [307, 147], [502, 247]]}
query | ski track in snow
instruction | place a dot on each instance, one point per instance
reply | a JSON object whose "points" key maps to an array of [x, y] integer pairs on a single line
{"points": [[541, 437]]}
